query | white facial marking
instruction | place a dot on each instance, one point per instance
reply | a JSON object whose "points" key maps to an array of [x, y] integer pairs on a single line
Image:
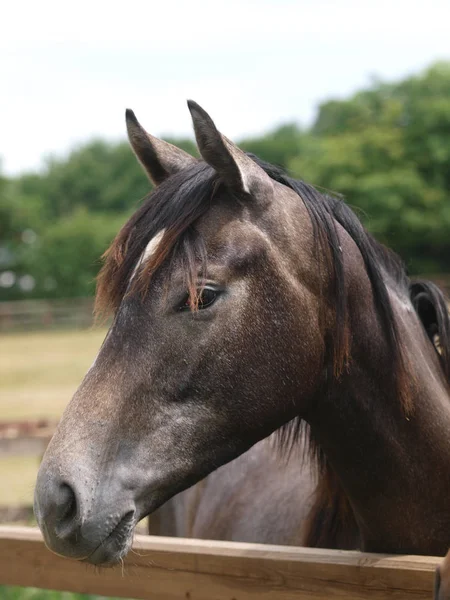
{"points": [[150, 249]]}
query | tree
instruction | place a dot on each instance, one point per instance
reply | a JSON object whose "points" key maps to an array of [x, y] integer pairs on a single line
{"points": [[278, 146], [65, 258], [387, 150]]}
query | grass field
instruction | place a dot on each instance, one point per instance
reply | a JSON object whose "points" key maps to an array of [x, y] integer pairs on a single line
{"points": [[39, 373]]}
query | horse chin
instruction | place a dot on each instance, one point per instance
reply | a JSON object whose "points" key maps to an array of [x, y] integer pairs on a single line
{"points": [[111, 551], [118, 543], [115, 547]]}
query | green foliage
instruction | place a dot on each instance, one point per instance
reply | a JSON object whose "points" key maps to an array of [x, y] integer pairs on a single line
{"points": [[20, 593], [66, 256], [278, 146], [98, 176], [386, 149]]}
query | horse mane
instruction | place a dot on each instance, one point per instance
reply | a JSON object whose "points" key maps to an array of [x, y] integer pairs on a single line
{"points": [[174, 208]]}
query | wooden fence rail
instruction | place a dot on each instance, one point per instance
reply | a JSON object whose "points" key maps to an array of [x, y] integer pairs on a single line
{"points": [[180, 569], [27, 315], [30, 445], [26, 438]]}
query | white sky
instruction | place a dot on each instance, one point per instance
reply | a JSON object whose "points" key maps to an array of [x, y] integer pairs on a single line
{"points": [[68, 70]]}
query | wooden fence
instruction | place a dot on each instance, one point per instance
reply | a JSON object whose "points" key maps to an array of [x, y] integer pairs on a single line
{"points": [[179, 569], [26, 315], [33, 445], [25, 438]]}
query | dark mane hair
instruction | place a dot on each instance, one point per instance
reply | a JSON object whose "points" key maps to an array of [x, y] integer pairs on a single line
{"points": [[175, 207]]}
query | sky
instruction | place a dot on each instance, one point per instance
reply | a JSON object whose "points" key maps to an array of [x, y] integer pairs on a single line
{"points": [[69, 70]]}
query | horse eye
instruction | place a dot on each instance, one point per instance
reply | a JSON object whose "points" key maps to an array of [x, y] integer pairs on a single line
{"points": [[206, 298]]}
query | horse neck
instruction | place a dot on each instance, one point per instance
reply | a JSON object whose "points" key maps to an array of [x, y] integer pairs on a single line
{"points": [[393, 466]]}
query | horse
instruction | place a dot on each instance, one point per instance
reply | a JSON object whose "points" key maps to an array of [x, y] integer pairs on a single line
{"points": [[247, 304]]}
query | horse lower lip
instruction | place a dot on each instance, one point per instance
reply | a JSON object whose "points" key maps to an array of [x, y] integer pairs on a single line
{"points": [[103, 558], [109, 552], [115, 545]]}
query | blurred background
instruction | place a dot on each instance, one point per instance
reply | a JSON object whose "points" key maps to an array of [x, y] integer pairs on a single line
{"points": [[352, 97]]}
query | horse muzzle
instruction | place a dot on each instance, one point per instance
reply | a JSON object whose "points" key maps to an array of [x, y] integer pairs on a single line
{"points": [[93, 522]]}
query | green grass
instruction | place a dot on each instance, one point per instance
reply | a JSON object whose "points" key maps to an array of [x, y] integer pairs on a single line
{"points": [[18, 475], [39, 372]]}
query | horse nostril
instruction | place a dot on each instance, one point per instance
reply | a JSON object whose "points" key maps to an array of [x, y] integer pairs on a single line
{"points": [[66, 505]]}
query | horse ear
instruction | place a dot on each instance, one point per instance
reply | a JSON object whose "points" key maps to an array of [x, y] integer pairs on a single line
{"points": [[159, 159], [239, 172]]}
